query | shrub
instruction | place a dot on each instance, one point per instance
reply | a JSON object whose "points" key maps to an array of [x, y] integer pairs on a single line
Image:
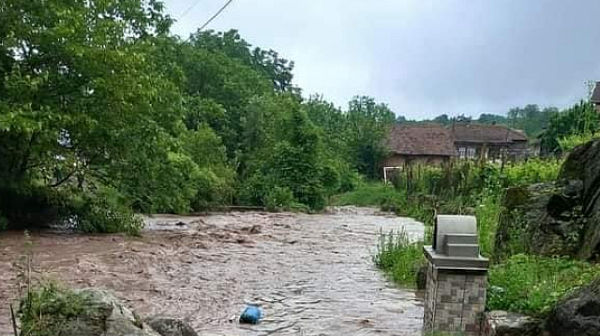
{"points": [[569, 142], [30, 206], [349, 180], [533, 284], [398, 257], [532, 171], [366, 194], [254, 189], [488, 215], [279, 198], [44, 311], [105, 212]]}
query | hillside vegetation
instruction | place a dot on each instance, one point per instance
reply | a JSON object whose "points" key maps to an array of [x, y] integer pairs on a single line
{"points": [[105, 113]]}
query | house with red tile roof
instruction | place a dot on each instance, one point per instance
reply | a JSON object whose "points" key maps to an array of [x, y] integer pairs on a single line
{"points": [[434, 144]]}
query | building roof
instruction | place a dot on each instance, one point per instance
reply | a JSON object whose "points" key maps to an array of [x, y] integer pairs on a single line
{"points": [[421, 140], [473, 132], [596, 94]]}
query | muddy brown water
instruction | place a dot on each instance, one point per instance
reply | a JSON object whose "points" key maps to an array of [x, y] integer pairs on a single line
{"points": [[310, 274]]}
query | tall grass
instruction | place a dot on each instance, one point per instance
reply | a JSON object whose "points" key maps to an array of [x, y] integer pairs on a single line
{"points": [[569, 143], [532, 284], [368, 194], [398, 257], [531, 171], [525, 284], [488, 215], [49, 307]]}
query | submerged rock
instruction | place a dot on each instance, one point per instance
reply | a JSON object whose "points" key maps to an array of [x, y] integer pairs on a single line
{"points": [[167, 326], [104, 315], [578, 314], [502, 323]]}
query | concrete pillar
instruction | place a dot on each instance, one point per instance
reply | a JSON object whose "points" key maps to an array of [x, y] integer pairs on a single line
{"points": [[456, 278]]}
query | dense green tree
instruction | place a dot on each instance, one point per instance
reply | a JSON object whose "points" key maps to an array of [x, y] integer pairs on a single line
{"points": [[530, 118], [266, 62], [86, 107], [580, 119], [78, 72], [442, 119], [368, 126], [103, 111], [493, 119]]}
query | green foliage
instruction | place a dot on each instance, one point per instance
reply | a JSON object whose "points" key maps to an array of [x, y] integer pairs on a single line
{"points": [[530, 119], [532, 285], [399, 257], [366, 194], [532, 171], [368, 125], [461, 187], [568, 143], [98, 96], [30, 206], [475, 189], [279, 199], [104, 212], [488, 216], [581, 119], [45, 309]]}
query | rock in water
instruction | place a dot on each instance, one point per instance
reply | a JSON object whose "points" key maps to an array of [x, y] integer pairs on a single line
{"points": [[105, 315], [251, 315], [501, 323], [578, 314], [166, 326]]}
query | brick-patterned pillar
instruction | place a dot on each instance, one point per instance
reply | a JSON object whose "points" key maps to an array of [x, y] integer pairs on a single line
{"points": [[456, 283], [454, 301]]}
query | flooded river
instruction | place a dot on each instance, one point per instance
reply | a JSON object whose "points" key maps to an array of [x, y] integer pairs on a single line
{"points": [[310, 274]]}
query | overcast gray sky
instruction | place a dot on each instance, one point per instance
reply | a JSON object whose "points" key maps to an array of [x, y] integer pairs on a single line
{"points": [[422, 57]]}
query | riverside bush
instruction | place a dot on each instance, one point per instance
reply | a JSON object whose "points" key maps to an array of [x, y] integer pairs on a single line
{"points": [[46, 308], [399, 257], [533, 284], [279, 198]]}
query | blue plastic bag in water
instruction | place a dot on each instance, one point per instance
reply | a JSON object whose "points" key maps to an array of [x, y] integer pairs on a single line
{"points": [[251, 315]]}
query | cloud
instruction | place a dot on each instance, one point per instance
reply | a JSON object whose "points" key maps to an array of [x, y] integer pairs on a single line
{"points": [[423, 57]]}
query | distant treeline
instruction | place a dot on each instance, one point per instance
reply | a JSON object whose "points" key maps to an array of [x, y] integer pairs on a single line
{"points": [[548, 125], [530, 119]]}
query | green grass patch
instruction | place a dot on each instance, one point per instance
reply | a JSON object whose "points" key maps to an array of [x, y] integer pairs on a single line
{"points": [[532, 285], [368, 194], [47, 308], [399, 258], [488, 216]]}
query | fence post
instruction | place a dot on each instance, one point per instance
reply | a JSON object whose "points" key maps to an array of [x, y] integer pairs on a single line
{"points": [[456, 278]]}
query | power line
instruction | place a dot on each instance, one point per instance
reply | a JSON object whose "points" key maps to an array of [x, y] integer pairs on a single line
{"points": [[216, 14], [185, 12]]}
